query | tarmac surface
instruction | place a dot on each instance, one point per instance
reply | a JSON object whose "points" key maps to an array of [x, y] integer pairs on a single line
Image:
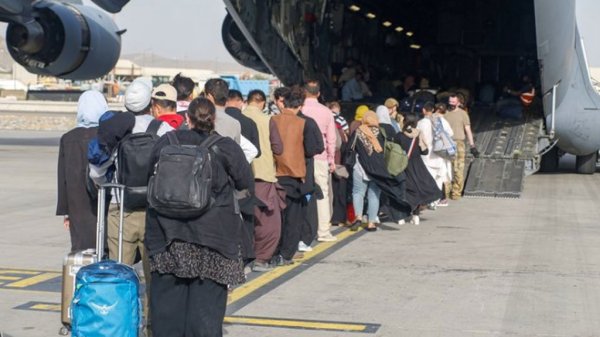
{"points": [[480, 267]]}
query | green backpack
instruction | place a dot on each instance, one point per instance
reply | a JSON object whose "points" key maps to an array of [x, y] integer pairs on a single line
{"points": [[396, 159]]}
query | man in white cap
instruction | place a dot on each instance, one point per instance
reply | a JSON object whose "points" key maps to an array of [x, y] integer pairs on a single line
{"points": [[137, 101]]}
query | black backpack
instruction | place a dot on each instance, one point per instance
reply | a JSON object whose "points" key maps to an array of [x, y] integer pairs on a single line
{"points": [[181, 186], [133, 165]]}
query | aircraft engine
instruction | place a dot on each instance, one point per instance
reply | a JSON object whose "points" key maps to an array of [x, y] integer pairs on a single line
{"points": [[64, 40]]}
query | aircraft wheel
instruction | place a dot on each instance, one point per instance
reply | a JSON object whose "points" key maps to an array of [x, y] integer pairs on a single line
{"points": [[587, 164], [550, 161]]}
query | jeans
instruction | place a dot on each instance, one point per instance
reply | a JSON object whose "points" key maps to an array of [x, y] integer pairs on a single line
{"points": [[360, 187]]}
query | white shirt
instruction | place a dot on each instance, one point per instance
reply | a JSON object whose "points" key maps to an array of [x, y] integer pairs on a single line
{"points": [[250, 151]]}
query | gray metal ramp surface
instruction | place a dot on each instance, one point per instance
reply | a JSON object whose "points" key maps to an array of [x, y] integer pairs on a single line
{"points": [[508, 153], [495, 178]]}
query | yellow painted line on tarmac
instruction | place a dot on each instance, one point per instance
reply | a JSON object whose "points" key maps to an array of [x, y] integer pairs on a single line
{"points": [[288, 323], [28, 291], [18, 272], [10, 278], [267, 322], [267, 277], [33, 280], [46, 307]]}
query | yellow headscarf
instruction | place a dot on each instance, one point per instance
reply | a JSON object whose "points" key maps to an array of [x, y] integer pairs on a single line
{"points": [[360, 112]]}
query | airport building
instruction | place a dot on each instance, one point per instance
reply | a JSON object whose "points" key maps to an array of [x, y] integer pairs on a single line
{"points": [[16, 82]]}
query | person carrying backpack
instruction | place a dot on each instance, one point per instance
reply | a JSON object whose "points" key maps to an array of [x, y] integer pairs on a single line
{"points": [[130, 161], [421, 188], [439, 166], [132, 169], [194, 239]]}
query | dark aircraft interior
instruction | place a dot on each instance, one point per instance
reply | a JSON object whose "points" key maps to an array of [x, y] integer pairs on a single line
{"points": [[451, 42]]}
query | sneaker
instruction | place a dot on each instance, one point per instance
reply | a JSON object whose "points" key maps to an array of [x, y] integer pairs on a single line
{"points": [[432, 206], [443, 203], [327, 238], [261, 266], [303, 247], [415, 220], [298, 256], [401, 222]]}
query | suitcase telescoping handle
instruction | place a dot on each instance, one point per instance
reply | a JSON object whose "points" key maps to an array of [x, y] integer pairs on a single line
{"points": [[101, 223]]}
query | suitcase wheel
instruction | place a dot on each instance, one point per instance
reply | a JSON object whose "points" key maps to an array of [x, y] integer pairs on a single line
{"points": [[63, 331]]}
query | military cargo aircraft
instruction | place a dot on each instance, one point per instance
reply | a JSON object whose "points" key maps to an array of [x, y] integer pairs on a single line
{"points": [[458, 41]]}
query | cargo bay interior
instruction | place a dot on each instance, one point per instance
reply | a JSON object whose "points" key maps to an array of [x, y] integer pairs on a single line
{"points": [[453, 43]]}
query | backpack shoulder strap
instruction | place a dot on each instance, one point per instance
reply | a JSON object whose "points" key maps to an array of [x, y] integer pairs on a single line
{"points": [[382, 130], [154, 126], [436, 123], [210, 141], [172, 138], [353, 146]]}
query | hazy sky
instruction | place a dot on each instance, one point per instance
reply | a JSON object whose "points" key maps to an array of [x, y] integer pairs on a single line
{"points": [[189, 29]]}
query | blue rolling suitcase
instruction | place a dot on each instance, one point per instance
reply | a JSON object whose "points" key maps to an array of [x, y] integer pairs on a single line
{"points": [[106, 300]]}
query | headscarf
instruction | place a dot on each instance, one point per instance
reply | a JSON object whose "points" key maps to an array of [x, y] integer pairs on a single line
{"points": [[413, 133], [360, 112], [90, 107], [383, 115], [368, 132]]}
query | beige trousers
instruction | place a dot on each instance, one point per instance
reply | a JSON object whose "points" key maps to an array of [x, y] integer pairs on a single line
{"points": [[322, 178], [134, 228]]}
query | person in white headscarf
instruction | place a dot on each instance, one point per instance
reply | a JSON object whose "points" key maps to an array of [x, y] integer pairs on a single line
{"points": [[90, 107], [75, 204], [385, 122]]}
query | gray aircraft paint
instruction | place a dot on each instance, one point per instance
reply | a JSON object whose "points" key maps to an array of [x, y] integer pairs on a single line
{"points": [[563, 60]]}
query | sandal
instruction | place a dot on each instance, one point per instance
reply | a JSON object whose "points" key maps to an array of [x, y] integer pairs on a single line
{"points": [[355, 225], [371, 229]]}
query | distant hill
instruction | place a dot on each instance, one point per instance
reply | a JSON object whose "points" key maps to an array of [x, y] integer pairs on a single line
{"points": [[154, 60], [148, 60]]}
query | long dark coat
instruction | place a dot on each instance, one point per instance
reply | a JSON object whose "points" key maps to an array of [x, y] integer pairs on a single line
{"points": [[73, 197], [421, 188], [374, 166]]}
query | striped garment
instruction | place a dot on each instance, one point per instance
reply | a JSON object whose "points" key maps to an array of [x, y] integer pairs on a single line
{"points": [[340, 122]]}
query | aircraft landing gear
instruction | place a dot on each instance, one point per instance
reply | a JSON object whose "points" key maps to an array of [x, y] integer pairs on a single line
{"points": [[549, 161], [586, 164]]}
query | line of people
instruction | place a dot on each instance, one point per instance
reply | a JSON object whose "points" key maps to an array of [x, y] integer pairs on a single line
{"points": [[278, 183]]}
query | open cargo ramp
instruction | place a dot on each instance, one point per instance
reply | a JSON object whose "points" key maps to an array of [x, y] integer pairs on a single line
{"points": [[508, 153]]}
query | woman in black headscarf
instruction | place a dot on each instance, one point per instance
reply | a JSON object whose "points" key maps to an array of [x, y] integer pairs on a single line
{"points": [[421, 188], [370, 174]]}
